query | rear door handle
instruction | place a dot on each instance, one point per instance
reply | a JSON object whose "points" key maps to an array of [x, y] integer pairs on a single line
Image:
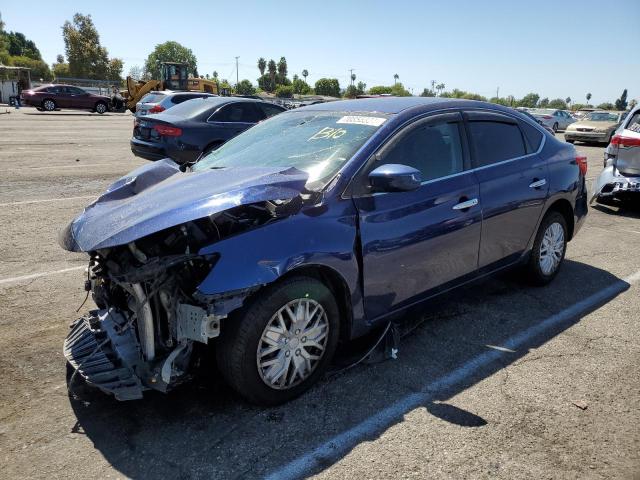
{"points": [[466, 204], [538, 183]]}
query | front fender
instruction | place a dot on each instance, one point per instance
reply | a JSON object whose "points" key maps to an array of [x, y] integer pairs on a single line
{"points": [[608, 175], [261, 256]]}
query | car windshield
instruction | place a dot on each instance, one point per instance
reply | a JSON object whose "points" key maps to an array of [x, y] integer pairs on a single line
{"points": [[319, 143], [542, 111], [602, 117]]}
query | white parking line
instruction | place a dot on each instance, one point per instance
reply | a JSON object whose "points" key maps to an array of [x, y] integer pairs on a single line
{"points": [[38, 275], [341, 444], [25, 202]]}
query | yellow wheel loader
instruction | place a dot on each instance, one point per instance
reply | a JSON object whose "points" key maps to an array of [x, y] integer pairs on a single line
{"points": [[174, 77]]}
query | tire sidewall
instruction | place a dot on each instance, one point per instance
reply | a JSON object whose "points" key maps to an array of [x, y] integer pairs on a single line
{"points": [[259, 313], [538, 275]]}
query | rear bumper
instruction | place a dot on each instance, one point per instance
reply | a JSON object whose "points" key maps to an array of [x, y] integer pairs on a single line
{"points": [[147, 150], [613, 185]]}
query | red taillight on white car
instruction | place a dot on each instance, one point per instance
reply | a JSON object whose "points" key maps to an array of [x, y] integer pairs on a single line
{"points": [[623, 141], [581, 160], [156, 109], [167, 130], [547, 117]]}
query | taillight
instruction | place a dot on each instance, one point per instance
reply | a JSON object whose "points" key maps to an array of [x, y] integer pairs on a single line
{"points": [[168, 131], [622, 141], [156, 109], [547, 117], [581, 160]]}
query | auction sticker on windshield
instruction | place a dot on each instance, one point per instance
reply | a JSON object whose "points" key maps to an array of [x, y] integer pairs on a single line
{"points": [[362, 120]]}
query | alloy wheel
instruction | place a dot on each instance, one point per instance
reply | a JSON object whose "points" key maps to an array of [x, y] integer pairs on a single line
{"points": [[101, 108], [49, 105], [551, 248], [293, 343]]}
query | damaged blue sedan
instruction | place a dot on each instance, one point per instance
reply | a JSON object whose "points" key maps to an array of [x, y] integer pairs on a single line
{"points": [[310, 229]]}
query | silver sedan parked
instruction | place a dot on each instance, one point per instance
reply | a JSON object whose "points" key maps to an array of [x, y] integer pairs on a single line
{"points": [[157, 102], [552, 118]]}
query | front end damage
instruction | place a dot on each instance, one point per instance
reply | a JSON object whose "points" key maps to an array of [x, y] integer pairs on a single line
{"points": [[152, 320]]}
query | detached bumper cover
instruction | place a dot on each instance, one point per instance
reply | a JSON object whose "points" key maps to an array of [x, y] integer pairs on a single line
{"points": [[105, 352]]}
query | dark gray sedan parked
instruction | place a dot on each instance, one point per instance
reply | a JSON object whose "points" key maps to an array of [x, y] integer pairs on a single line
{"points": [[196, 126]]}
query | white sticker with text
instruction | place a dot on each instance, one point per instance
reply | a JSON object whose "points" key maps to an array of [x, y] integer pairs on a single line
{"points": [[362, 120]]}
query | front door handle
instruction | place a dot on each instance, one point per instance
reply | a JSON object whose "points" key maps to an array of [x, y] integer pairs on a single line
{"points": [[538, 183], [466, 204]]}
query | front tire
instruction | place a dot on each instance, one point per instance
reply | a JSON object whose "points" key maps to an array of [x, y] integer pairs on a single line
{"points": [[278, 346], [548, 249]]}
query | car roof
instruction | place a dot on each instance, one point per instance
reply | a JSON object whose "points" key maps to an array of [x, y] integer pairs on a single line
{"points": [[394, 105]]}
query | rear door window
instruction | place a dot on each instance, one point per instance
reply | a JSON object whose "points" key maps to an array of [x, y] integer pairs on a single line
{"points": [[495, 141], [533, 137], [176, 99], [241, 112], [634, 122], [270, 110]]}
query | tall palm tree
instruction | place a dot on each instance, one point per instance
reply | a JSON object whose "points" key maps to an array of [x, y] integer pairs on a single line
{"points": [[395, 78], [262, 65], [282, 67], [272, 68], [568, 101], [305, 74], [353, 78], [588, 98], [440, 88]]}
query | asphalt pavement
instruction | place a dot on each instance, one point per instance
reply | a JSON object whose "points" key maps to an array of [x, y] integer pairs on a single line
{"points": [[500, 380]]}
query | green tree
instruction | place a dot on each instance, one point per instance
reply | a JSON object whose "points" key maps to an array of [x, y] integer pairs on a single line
{"points": [[607, 106], [60, 69], [86, 57], [588, 97], [262, 65], [39, 69], [543, 103], [380, 90], [300, 87], [282, 67], [568, 100], [305, 74], [272, 68], [427, 92], [621, 103], [284, 91], [632, 104], [530, 100], [20, 46], [558, 103], [114, 70], [439, 88], [398, 90], [395, 78], [245, 87], [170, 52], [351, 92], [328, 86], [500, 101], [361, 87]]}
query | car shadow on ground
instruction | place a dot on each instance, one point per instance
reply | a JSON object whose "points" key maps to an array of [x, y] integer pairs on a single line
{"points": [[202, 430], [627, 209]]}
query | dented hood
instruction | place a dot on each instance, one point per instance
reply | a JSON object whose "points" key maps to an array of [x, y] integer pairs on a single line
{"points": [[158, 196]]}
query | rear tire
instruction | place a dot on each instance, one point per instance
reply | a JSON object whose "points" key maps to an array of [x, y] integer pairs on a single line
{"points": [[570, 141], [548, 250], [267, 356], [49, 105]]}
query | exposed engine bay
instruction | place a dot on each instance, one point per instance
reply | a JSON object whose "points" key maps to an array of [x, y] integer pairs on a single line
{"points": [[151, 316]]}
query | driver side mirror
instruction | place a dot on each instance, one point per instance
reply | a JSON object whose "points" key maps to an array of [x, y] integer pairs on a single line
{"points": [[394, 177]]}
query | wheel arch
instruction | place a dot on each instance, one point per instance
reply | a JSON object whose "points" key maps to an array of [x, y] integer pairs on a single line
{"points": [[335, 282], [563, 206]]}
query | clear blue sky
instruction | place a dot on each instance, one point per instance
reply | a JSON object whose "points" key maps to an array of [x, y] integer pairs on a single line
{"points": [[556, 48]]}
